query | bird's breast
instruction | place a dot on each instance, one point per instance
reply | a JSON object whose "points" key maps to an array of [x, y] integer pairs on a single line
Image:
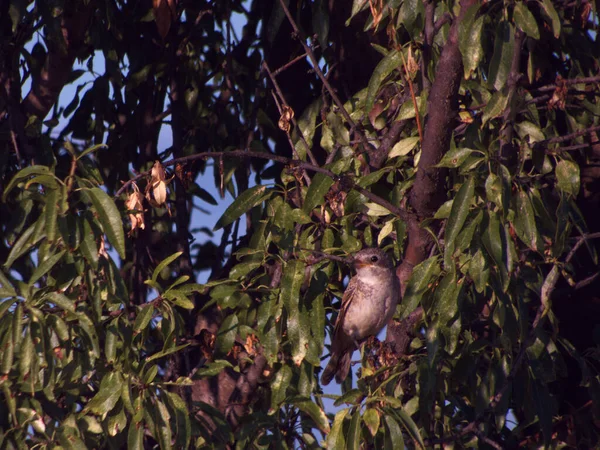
{"points": [[371, 308]]}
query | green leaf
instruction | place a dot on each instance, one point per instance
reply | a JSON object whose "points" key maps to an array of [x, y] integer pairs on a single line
{"points": [[496, 106], [394, 439], [143, 317], [6, 288], [50, 214], [525, 20], [306, 126], [524, 223], [504, 47], [446, 293], [493, 189], [279, 386], [108, 395], [403, 147], [212, 369], [385, 231], [567, 177], [61, 300], [479, 271], [24, 174], [182, 420], [314, 411], [298, 327], [242, 204], [88, 246], [135, 436], [372, 419], [242, 269], [202, 194], [410, 426], [91, 149], [493, 241], [26, 354], [551, 16], [353, 437], [163, 426], [226, 334], [110, 218], [116, 422], [455, 157], [458, 216], [335, 439], [351, 397], [45, 267], [88, 328], [164, 353], [469, 39], [418, 284], [164, 263], [179, 298], [20, 247], [386, 66]]}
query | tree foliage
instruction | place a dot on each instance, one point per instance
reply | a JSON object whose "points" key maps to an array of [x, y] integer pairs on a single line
{"points": [[462, 137]]}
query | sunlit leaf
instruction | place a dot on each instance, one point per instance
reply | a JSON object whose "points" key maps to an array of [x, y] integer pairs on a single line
{"points": [[567, 177], [110, 218], [242, 204]]}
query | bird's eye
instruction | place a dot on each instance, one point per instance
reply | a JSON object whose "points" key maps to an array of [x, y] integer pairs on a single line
{"points": [[374, 258]]}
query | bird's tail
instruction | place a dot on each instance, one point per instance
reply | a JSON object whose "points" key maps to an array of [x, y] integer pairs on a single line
{"points": [[338, 366]]}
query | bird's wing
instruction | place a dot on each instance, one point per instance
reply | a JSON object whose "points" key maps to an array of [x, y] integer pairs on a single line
{"points": [[339, 338]]}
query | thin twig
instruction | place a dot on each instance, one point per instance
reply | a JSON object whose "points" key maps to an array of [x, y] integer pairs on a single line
{"points": [[291, 63], [13, 138], [300, 133], [586, 281], [413, 97], [569, 81], [566, 137], [324, 80]]}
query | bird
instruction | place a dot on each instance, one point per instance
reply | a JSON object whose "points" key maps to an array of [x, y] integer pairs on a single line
{"points": [[368, 304]]}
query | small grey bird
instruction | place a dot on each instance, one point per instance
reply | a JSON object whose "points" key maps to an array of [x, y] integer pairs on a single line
{"points": [[368, 304]]}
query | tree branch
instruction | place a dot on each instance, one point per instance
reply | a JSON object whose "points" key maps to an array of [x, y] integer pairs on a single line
{"points": [[59, 62], [399, 212]]}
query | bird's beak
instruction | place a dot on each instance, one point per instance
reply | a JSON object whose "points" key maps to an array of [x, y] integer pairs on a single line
{"points": [[360, 264]]}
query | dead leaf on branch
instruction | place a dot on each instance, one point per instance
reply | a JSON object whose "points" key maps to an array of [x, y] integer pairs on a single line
{"points": [[287, 114], [157, 185], [134, 204], [412, 66], [559, 97], [250, 344], [377, 11], [336, 198], [102, 249]]}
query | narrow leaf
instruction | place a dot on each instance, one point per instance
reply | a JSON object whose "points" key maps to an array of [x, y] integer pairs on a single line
{"points": [[143, 318], [293, 277], [567, 177], [45, 267], [390, 62], [316, 192], [403, 147], [526, 21], [164, 263], [242, 204], [110, 218]]}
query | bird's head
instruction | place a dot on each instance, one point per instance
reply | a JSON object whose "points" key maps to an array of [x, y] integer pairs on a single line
{"points": [[371, 259]]}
